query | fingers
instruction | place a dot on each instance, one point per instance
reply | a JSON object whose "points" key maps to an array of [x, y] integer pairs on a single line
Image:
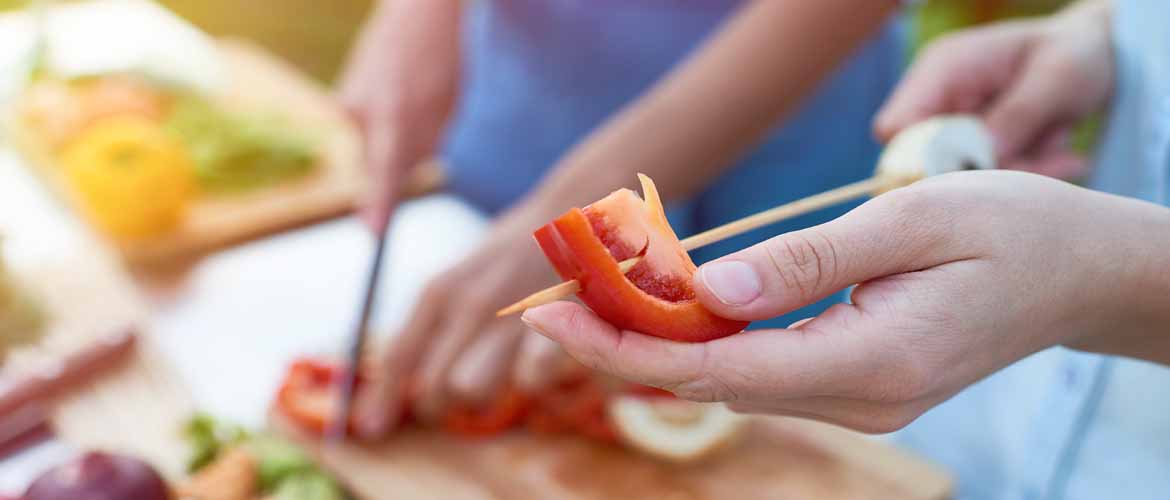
{"points": [[830, 369], [452, 338], [900, 231], [1035, 103], [863, 416], [958, 73], [540, 363], [483, 369], [1054, 156], [772, 364], [377, 406], [921, 94]]}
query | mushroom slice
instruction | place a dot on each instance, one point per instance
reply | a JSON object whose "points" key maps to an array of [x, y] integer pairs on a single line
{"points": [[937, 146], [674, 429]]}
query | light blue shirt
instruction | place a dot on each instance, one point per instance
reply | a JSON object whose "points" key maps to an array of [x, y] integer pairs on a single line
{"points": [[1063, 424]]}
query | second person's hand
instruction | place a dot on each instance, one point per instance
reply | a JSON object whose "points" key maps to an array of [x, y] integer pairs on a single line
{"points": [[453, 349], [1030, 80]]}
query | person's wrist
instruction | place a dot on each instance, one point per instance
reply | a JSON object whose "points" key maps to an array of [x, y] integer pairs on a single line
{"points": [[1130, 314], [1151, 280]]}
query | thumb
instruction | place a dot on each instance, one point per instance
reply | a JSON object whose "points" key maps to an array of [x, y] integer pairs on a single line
{"points": [[893, 233]]}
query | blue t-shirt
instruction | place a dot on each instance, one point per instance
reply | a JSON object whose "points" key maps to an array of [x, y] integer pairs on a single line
{"points": [[542, 74]]}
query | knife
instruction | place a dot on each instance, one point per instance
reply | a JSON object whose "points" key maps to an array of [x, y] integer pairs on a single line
{"points": [[338, 426]]}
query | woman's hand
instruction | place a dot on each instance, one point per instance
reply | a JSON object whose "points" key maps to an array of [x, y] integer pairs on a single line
{"points": [[1031, 81], [960, 275], [400, 86], [453, 348]]}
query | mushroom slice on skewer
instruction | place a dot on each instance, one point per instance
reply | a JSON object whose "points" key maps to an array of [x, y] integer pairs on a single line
{"points": [[937, 146]]}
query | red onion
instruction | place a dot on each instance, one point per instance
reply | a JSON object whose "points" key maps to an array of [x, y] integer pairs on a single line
{"points": [[99, 476]]}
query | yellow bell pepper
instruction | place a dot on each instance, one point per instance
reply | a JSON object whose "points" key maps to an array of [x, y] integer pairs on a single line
{"points": [[132, 178]]}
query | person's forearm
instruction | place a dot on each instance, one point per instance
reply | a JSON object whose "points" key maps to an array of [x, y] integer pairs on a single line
{"points": [[433, 15], [707, 112], [1132, 268], [1152, 288], [414, 47]]}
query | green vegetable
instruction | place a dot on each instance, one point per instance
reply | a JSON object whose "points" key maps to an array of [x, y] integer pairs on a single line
{"points": [[237, 152], [278, 460], [21, 319], [311, 486], [284, 470], [207, 438], [939, 17]]}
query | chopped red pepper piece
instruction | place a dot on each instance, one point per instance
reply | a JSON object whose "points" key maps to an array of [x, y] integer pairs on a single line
{"points": [[648, 391], [655, 297], [506, 412], [308, 395]]}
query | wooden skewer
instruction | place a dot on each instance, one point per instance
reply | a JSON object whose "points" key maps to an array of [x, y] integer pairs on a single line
{"points": [[802, 206]]}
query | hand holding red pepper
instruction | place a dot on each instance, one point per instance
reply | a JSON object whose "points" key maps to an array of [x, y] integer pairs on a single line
{"points": [[960, 275]]}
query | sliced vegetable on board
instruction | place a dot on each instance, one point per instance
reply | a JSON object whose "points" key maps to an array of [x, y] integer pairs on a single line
{"points": [[237, 152], [647, 419], [308, 394], [132, 178], [673, 429], [506, 412], [247, 466]]}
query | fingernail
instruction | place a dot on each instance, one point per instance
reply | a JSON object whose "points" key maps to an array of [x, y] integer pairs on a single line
{"points": [[733, 282], [531, 322]]}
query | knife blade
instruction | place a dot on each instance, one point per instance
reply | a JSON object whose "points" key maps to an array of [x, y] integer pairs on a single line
{"points": [[338, 428], [379, 152]]}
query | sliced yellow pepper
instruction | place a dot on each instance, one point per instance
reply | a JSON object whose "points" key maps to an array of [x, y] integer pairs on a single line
{"points": [[133, 179]]}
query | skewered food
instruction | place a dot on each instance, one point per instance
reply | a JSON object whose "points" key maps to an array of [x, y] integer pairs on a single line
{"points": [[654, 297]]}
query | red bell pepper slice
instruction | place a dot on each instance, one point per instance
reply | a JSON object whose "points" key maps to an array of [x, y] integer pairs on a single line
{"points": [[574, 406], [308, 398], [646, 391], [655, 297], [308, 395], [508, 411]]}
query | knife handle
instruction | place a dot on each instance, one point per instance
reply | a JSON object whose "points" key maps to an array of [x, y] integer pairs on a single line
{"points": [[55, 377]]}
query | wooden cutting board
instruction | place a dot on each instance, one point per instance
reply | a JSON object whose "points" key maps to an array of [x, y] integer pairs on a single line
{"points": [[777, 458], [259, 81], [137, 407]]}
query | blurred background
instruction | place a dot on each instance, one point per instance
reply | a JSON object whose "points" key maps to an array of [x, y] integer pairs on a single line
{"points": [[315, 35], [279, 265]]}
